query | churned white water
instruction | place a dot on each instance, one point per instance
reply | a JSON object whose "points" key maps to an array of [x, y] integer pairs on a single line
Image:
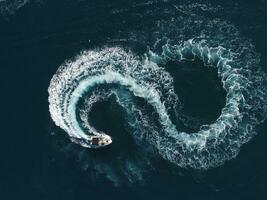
{"points": [[210, 146]]}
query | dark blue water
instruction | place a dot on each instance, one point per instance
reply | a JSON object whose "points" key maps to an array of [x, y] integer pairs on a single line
{"points": [[38, 161]]}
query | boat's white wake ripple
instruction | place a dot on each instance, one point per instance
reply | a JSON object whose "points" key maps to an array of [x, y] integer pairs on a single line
{"points": [[244, 109]]}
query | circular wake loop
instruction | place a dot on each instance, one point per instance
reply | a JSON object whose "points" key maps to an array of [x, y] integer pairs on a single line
{"points": [[143, 78]]}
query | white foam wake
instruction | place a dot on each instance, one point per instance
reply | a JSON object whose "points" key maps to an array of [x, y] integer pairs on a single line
{"points": [[211, 146]]}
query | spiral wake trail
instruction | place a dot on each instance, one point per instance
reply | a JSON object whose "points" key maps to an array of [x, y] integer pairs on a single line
{"points": [[131, 68], [211, 145]]}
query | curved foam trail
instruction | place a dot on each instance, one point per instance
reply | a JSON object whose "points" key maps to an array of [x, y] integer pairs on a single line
{"points": [[212, 145], [65, 94], [220, 141], [150, 94]]}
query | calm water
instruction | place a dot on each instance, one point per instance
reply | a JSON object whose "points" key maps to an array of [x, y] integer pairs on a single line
{"points": [[38, 161]]}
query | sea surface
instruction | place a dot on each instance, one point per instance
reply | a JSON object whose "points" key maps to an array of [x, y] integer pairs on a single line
{"points": [[180, 86]]}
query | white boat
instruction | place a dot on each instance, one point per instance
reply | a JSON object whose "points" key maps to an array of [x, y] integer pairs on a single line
{"points": [[100, 140]]}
